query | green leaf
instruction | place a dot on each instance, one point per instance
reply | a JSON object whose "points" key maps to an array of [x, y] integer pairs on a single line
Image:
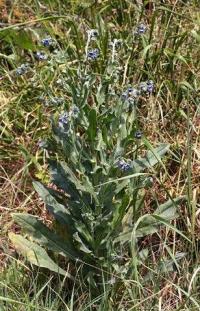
{"points": [[106, 194], [168, 210], [101, 145], [123, 127], [60, 212], [119, 211], [83, 230], [81, 244], [146, 49], [35, 254], [152, 158], [65, 179], [100, 96], [92, 129], [195, 35], [60, 177], [44, 236], [20, 38], [122, 178], [149, 223], [186, 85]]}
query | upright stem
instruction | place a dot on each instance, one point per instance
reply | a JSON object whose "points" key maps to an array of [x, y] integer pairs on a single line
{"points": [[87, 45], [113, 52]]}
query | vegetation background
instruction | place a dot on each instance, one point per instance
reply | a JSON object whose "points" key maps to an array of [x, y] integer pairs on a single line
{"points": [[168, 53]]}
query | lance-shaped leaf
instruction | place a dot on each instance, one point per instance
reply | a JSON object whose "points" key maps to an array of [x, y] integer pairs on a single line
{"points": [[61, 180], [150, 223], [81, 245], [152, 158], [35, 254], [64, 178], [60, 212], [44, 236], [92, 128]]}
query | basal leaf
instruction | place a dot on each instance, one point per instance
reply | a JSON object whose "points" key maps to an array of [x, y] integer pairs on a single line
{"points": [[44, 236], [35, 254], [20, 38]]}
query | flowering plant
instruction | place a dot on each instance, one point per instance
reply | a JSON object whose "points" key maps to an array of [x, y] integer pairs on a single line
{"points": [[98, 177]]}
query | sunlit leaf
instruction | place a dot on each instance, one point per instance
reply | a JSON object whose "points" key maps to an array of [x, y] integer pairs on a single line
{"points": [[35, 254]]}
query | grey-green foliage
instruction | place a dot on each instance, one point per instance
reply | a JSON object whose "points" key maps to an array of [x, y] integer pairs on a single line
{"points": [[92, 195]]}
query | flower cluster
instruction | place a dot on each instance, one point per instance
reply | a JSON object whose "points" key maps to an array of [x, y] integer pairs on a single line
{"points": [[63, 119], [40, 55], [146, 87], [93, 54], [138, 134], [123, 165], [47, 42], [130, 95], [141, 29], [150, 86], [22, 69]]}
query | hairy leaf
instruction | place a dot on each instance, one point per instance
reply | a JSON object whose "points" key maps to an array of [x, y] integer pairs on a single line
{"points": [[44, 236], [150, 223], [35, 254], [60, 212], [151, 159]]}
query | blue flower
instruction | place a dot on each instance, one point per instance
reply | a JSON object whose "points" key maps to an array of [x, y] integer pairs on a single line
{"points": [[63, 119], [123, 165], [130, 94], [138, 134], [22, 69], [93, 54], [147, 87], [47, 42], [141, 29], [150, 86], [41, 55]]}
